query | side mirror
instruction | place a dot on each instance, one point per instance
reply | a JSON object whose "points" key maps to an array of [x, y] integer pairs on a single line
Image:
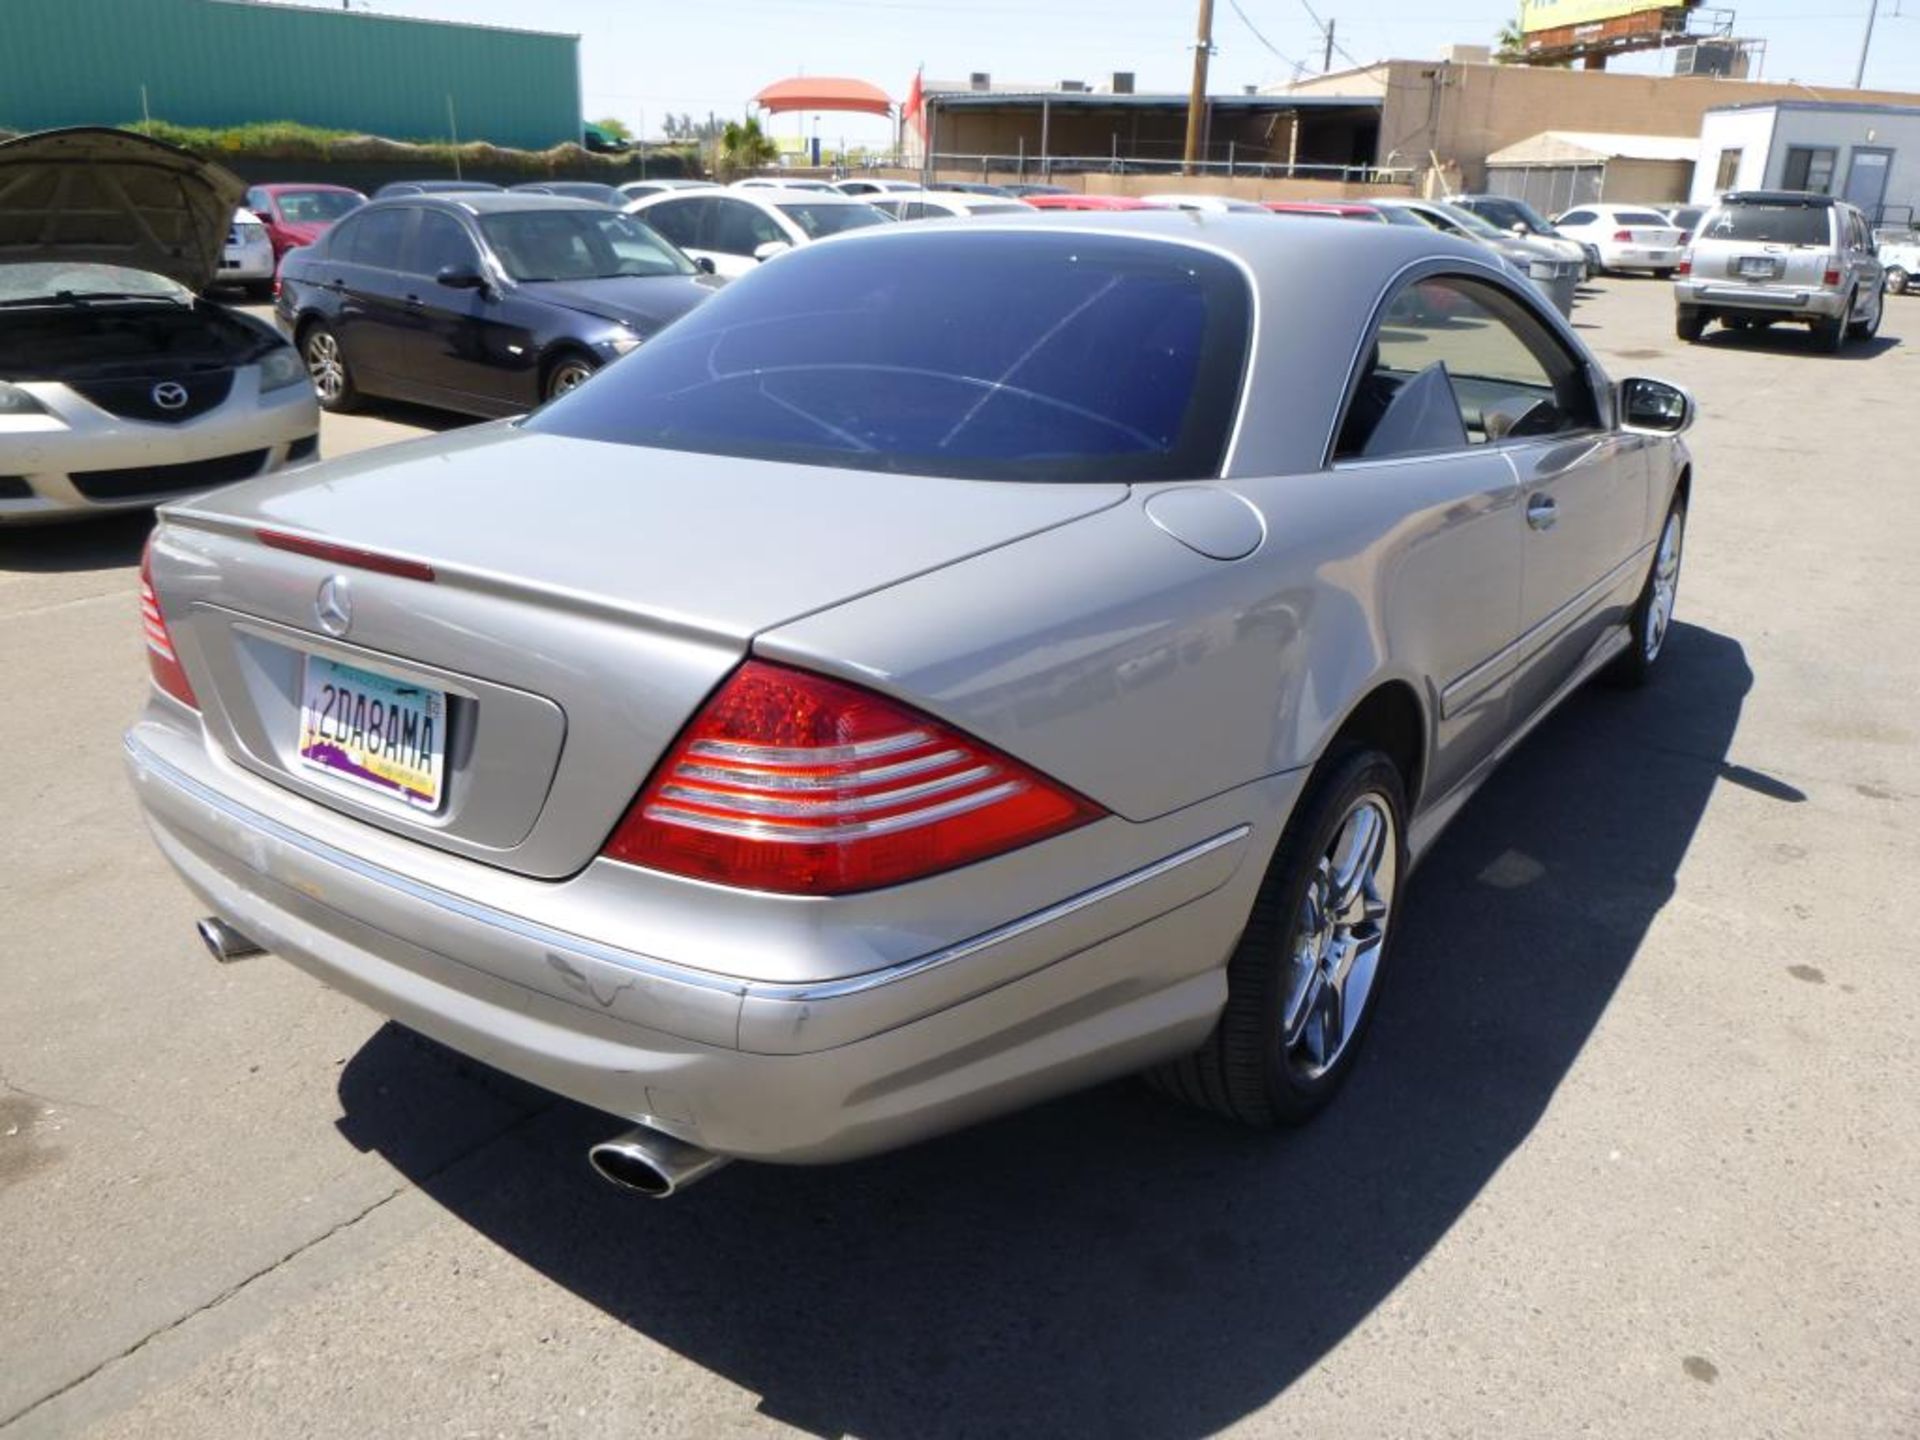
{"points": [[1653, 407], [461, 277], [771, 248], [704, 264]]}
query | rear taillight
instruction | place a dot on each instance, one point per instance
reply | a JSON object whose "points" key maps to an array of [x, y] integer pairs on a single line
{"points": [[1625, 237], [1832, 277], [1686, 237], [790, 782], [162, 663], [1685, 267]]}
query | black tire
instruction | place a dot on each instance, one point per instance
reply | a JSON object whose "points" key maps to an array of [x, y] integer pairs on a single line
{"points": [[258, 292], [564, 372], [1864, 330], [1245, 1070], [1666, 274], [1637, 664], [318, 344], [1830, 336], [1689, 322]]}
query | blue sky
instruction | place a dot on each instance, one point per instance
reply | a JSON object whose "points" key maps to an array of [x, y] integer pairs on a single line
{"points": [[642, 58]]}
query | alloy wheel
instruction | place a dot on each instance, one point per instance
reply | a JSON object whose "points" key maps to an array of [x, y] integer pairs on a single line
{"points": [[1666, 585], [568, 375], [324, 364], [1338, 937]]}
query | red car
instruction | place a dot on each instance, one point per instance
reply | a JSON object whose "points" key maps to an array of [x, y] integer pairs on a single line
{"points": [[1087, 202], [297, 215], [1335, 209]]}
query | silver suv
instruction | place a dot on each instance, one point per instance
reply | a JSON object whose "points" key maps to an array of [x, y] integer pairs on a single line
{"points": [[1766, 255]]}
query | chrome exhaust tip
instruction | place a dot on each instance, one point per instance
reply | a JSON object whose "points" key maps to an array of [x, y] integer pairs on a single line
{"points": [[652, 1163], [225, 943]]}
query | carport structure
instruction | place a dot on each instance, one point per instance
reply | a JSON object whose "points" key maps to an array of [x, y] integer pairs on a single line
{"points": [[1559, 169], [818, 93]]}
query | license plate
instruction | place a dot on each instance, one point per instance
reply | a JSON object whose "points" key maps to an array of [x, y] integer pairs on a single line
{"points": [[1757, 265], [374, 731]]}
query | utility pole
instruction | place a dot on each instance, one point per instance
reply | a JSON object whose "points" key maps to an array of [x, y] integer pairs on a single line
{"points": [[1866, 43], [1326, 65], [1197, 99]]}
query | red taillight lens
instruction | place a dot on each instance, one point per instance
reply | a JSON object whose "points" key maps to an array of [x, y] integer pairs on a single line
{"points": [[790, 782], [1685, 267], [1686, 237], [1625, 237], [162, 663], [1832, 277]]}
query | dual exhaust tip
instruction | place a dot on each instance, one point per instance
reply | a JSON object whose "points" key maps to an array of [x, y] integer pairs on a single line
{"points": [[644, 1161]]}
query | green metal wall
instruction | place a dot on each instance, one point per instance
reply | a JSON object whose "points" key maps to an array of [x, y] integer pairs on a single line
{"points": [[227, 62]]}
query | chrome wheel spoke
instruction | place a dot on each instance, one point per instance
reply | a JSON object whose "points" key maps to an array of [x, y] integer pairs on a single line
{"points": [[1338, 937]]}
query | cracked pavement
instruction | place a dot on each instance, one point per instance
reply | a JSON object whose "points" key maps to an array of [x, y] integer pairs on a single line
{"points": [[1632, 1151]]}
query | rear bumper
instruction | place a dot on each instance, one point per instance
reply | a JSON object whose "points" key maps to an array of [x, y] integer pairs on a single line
{"points": [[1640, 257], [1099, 984], [1778, 300]]}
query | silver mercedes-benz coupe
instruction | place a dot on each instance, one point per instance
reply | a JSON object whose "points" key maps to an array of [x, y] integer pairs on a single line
{"points": [[956, 664]]}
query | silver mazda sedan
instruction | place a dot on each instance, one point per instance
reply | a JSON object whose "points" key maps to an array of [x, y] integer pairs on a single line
{"points": [[955, 665]]}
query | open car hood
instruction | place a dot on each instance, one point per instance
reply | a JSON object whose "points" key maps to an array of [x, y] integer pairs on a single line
{"points": [[91, 195]]}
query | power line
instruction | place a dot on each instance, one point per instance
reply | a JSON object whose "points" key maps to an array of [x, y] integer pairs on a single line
{"points": [[1296, 66]]}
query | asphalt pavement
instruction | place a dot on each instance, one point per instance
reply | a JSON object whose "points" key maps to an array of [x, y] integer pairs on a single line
{"points": [[1633, 1151]]}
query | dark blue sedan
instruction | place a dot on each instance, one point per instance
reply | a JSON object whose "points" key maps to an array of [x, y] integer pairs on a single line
{"points": [[483, 303]]}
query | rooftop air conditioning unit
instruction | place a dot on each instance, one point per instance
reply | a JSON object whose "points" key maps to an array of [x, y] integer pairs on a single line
{"points": [[1123, 82], [980, 80], [1073, 87], [1704, 60]]}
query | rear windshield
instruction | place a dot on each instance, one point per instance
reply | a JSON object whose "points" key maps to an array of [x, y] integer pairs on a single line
{"points": [[316, 207], [1641, 217], [1780, 224], [995, 355], [829, 218]]}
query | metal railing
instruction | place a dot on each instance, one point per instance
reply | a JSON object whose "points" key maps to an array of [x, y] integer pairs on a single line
{"points": [[1261, 167]]}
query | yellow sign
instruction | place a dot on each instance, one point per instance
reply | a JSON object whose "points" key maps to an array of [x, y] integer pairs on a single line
{"points": [[1558, 14]]}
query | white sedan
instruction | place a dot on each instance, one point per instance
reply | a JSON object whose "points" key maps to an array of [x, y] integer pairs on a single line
{"points": [[946, 205], [736, 229], [247, 259], [1627, 237]]}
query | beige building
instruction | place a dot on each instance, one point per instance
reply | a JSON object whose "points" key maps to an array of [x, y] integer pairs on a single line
{"points": [[1444, 118]]}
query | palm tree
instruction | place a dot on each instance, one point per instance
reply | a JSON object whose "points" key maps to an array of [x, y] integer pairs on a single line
{"points": [[1510, 45], [744, 149]]}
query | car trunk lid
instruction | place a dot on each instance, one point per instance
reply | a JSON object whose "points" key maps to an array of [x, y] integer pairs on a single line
{"points": [[571, 602]]}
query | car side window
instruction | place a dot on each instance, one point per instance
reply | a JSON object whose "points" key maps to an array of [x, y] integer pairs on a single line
{"points": [[377, 237], [1576, 217], [1508, 376], [440, 241], [740, 228], [258, 202], [678, 220]]}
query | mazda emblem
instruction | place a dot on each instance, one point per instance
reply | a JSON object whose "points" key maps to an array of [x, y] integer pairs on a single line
{"points": [[333, 606], [170, 395]]}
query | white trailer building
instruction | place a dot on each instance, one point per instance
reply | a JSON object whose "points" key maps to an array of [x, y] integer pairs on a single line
{"points": [[1866, 154]]}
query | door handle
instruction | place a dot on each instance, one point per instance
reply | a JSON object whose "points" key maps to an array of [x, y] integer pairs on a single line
{"points": [[414, 302], [1541, 512]]}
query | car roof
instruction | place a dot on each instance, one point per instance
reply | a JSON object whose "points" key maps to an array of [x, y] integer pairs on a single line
{"points": [[490, 202], [1779, 197], [279, 186]]}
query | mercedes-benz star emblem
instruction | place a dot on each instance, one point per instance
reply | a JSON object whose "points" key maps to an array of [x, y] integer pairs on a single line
{"points": [[170, 395], [333, 606]]}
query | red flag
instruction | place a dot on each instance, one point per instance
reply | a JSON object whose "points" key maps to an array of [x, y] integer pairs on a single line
{"points": [[914, 110]]}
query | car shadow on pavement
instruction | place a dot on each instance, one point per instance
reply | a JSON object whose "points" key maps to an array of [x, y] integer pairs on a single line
{"points": [[1112, 1263], [1795, 341], [94, 542]]}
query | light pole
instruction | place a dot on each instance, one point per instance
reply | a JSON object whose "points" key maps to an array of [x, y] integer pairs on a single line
{"points": [[1866, 43], [1197, 98]]}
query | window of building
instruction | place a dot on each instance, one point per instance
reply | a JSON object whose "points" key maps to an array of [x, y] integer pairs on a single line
{"points": [[1729, 169], [1809, 167]]}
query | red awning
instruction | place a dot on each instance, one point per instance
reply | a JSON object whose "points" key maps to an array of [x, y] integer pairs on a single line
{"points": [[820, 92]]}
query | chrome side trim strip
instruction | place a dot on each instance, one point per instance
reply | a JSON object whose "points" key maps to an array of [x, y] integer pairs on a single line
{"points": [[153, 766]]}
